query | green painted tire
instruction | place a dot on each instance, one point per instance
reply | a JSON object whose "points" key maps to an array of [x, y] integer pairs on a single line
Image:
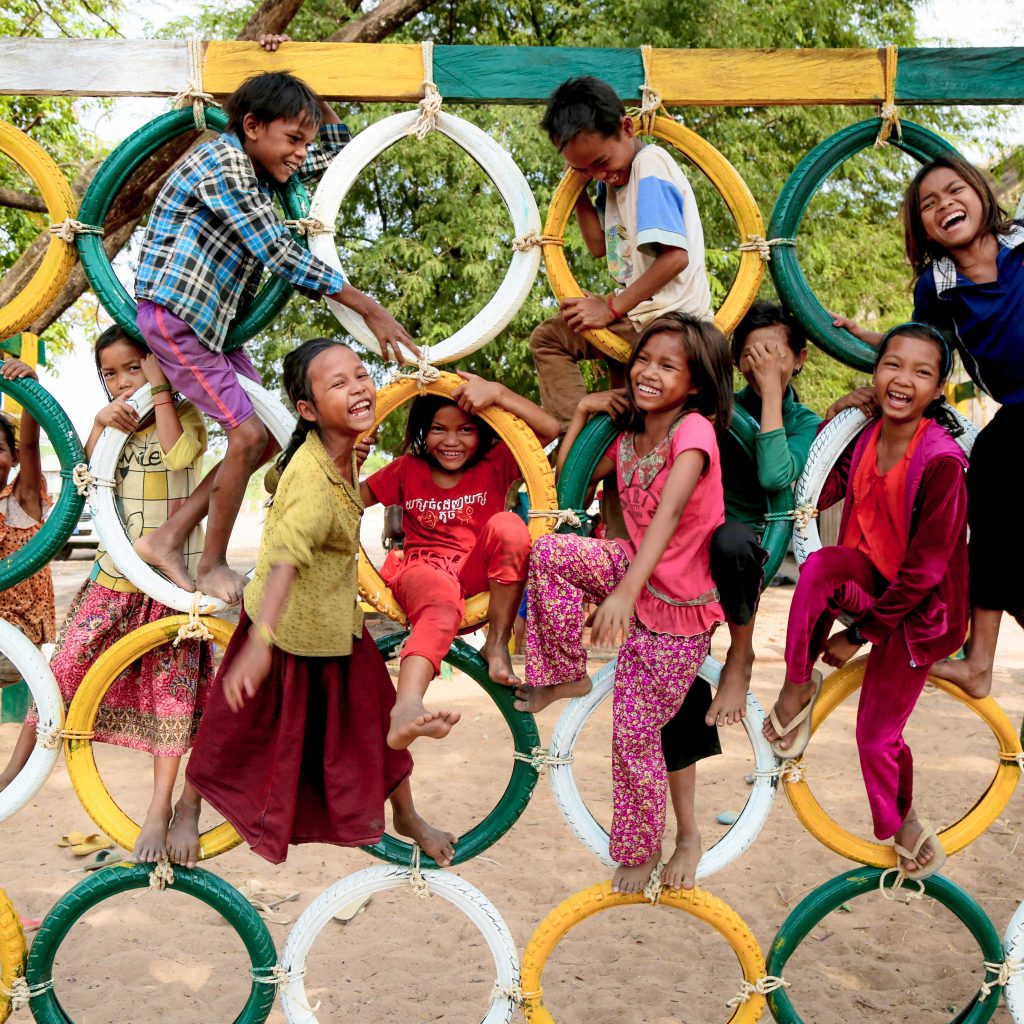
{"points": [[810, 174], [593, 441], [520, 786], [835, 892], [64, 515], [118, 878], [110, 179]]}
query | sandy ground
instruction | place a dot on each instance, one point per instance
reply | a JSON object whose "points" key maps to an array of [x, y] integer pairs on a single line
{"points": [[148, 957]]}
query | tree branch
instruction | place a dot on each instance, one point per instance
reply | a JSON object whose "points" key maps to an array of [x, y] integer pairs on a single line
{"points": [[387, 16], [15, 200]]}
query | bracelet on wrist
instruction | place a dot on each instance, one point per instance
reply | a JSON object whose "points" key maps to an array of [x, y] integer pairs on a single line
{"points": [[155, 389], [616, 315], [855, 636], [166, 401], [263, 633]]}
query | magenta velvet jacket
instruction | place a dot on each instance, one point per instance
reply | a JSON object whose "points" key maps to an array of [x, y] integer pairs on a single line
{"points": [[929, 598]]}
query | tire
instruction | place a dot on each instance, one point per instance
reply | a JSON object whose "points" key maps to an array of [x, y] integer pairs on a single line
{"points": [[455, 890], [118, 878], [13, 952], [46, 694], [529, 456], [79, 754], [840, 685], [1013, 947], [810, 174], [732, 188], [346, 167], [109, 524], [700, 904], [834, 893], [520, 786], [114, 172]]}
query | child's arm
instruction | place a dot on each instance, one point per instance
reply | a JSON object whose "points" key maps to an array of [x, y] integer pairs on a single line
{"points": [[590, 225], [478, 394], [29, 485], [862, 398], [168, 425], [117, 414], [611, 402]]}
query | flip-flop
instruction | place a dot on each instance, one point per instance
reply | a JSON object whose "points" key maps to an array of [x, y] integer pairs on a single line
{"points": [[928, 833], [351, 911], [801, 722], [29, 924], [102, 859], [72, 839], [265, 901], [91, 844]]}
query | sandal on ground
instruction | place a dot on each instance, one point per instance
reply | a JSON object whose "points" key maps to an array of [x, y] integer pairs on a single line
{"points": [[928, 834], [102, 859], [73, 839], [91, 844], [800, 723], [351, 911], [265, 901]]}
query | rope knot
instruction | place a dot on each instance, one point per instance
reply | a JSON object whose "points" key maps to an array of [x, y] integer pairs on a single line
{"points": [[562, 516], [21, 993], [430, 105], [193, 91], [897, 889], [309, 226], [526, 242], [82, 479], [792, 770], [539, 759], [67, 229], [162, 875], [280, 977], [49, 738], [1004, 970], [195, 628], [769, 983], [888, 112], [1016, 756], [654, 887], [419, 884]]}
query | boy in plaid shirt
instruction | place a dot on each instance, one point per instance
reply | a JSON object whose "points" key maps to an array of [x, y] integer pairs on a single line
{"points": [[212, 230]]}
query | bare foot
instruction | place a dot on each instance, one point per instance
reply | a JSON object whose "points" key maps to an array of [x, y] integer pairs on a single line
{"points": [[410, 720], [499, 661], [729, 706], [680, 872], [537, 698], [907, 837], [222, 582], [975, 682], [152, 842], [432, 841], [633, 879], [167, 561], [183, 834], [791, 701]]}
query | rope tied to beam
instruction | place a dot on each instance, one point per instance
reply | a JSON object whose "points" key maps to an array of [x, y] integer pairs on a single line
{"points": [[67, 229], [650, 99], [193, 91], [888, 113], [430, 105]]}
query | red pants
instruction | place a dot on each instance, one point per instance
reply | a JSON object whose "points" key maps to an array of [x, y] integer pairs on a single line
{"points": [[433, 592], [838, 579]]}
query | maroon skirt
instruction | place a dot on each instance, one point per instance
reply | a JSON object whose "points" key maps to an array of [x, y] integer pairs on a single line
{"points": [[306, 759]]}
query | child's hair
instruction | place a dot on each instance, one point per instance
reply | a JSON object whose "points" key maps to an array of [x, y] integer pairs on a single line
{"points": [[273, 95], [582, 105], [111, 336], [707, 357], [768, 314], [7, 428], [921, 250], [421, 416]]}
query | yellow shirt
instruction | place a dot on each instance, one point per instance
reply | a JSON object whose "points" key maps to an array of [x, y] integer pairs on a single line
{"points": [[313, 524]]}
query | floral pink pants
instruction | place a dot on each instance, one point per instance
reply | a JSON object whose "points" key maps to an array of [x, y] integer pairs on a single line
{"points": [[653, 673]]}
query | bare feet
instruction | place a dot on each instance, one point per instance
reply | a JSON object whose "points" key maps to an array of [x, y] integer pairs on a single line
{"points": [[410, 720], [791, 701], [729, 706], [222, 582], [183, 834], [974, 680], [152, 842], [432, 841], [907, 837], [680, 872], [499, 661], [634, 879], [537, 698], [167, 560]]}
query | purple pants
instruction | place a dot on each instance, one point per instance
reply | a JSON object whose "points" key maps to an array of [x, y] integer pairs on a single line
{"points": [[653, 673], [839, 579]]}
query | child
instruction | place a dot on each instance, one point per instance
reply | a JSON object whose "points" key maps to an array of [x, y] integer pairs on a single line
{"points": [[899, 571], [292, 748], [452, 483], [645, 221], [212, 229], [654, 586], [968, 265]]}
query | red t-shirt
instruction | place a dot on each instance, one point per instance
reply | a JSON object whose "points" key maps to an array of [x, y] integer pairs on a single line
{"points": [[446, 520]]}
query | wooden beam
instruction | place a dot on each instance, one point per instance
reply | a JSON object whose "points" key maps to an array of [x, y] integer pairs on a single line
{"points": [[960, 75]]}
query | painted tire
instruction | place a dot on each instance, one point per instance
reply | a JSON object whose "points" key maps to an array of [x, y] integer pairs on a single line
{"points": [[1013, 947], [520, 785], [840, 685], [64, 515], [46, 695], [732, 188], [702, 905], [834, 893], [825, 451], [810, 174], [529, 456], [12, 952], [455, 890], [45, 284], [109, 881], [125, 160], [510, 183], [598, 434], [108, 522], [79, 755]]}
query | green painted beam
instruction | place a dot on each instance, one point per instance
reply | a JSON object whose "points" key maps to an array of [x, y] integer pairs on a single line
{"points": [[960, 75]]}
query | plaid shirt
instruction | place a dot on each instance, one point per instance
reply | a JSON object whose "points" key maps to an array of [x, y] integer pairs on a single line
{"points": [[212, 230]]}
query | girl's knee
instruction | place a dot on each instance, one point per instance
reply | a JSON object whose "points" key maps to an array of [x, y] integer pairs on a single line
{"points": [[249, 438], [507, 529]]}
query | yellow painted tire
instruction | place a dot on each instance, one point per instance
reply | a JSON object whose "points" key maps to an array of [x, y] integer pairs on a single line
{"points": [[698, 902], [45, 284], [528, 453], [81, 717], [732, 188], [840, 685], [12, 952]]}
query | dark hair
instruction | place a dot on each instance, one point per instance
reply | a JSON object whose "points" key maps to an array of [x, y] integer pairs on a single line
{"points": [[707, 357], [937, 409], [582, 105], [921, 250], [273, 95], [7, 428], [768, 314], [421, 416], [111, 336]]}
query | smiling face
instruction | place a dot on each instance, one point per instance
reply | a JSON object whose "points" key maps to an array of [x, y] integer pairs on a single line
{"points": [[606, 158], [344, 395], [452, 438], [907, 378], [121, 368], [660, 375], [277, 148], [951, 211]]}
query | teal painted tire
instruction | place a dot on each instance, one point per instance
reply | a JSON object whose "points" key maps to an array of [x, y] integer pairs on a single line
{"points": [[520, 786], [110, 179], [810, 174], [64, 515], [835, 892], [599, 433], [210, 889]]}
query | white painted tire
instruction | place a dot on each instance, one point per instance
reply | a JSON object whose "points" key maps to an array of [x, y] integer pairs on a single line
{"points": [[109, 524], [46, 693], [587, 828], [511, 184], [1013, 946], [448, 886], [825, 451]]}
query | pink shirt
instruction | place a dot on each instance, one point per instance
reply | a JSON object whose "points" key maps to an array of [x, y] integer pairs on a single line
{"points": [[684, 572]]}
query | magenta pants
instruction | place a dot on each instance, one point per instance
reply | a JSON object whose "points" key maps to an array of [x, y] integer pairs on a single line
{"points": [[839, 579]]}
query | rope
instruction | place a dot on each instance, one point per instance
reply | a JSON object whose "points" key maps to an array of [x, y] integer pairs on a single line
{"points": [[195, 628], [281, 978], [653, 889], [1017, 757], [527, 241], [430, 105], [763, 246], [650, 99], [426, 373], [888, 113], [791, 770], [309, 226], [514, 993], [801, 516], [890, 893], [162, 875], [84, 481], [193, 91], [419, 884], [1004, 970], [49, 739], [67, 229], [539, 759], [561, 516], [21, 992], [769, 983]]}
